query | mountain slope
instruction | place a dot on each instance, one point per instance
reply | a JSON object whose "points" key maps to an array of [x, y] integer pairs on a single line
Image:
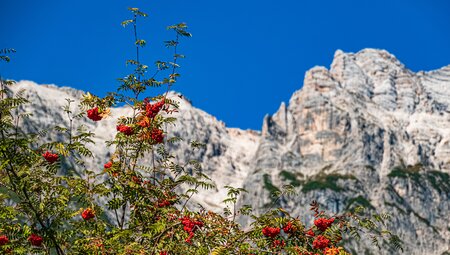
{"points": [[368, 131], [225, 159]]}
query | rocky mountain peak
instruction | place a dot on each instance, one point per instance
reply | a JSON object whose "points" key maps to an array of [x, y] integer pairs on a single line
{"points": [[367, 129]]}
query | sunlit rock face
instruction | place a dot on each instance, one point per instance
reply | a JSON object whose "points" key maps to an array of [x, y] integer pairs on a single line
{"points": [[367, 131]]}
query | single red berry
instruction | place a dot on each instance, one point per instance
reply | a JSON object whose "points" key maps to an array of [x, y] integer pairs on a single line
{"points": [[88, 214], [50, 157], [3, 240], [35, 240], [93, 114]]}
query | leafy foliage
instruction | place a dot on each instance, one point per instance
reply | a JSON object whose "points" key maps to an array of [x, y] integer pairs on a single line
{"points": [[4, 56], [439, 181], [326, 181], [292, 178], [361, 201]]}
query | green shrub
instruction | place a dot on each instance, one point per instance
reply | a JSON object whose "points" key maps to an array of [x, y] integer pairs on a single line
{"points": [[291, 177], [326, 181], [361, 201]]}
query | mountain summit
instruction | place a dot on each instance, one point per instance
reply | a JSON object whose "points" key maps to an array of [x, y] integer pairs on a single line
{"points": [[367, 131]]}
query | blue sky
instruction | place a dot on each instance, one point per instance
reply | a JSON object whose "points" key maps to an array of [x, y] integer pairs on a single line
{"points": [[245, 57]]}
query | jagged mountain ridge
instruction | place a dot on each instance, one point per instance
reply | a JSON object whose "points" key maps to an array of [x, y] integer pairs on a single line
{"points": [[340, 137], [367, 131]]}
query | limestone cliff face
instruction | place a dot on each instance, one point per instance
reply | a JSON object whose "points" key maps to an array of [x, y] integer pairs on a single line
{"points": [[365, 131], [225, 159]]}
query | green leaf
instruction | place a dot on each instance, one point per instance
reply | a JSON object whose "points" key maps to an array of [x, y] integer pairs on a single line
{"points": [[126, 22]]}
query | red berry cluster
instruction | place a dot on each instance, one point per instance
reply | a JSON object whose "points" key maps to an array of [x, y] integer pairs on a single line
{"points": [[310, 233], [278, 243], [157, 135], [88, 214], [3, 240], [164, 203], [163, 253], [321, 242], [108, 165], [190, 226], [289, 228], [151, 110], [93, 114], [167, 200], [35, 240], [308, 253], [271, 232], [323, 223], [126, 130], [136, 179], [50, 157]]}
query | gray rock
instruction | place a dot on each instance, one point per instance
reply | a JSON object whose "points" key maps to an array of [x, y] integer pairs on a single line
{"points": [[367, 131]]}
